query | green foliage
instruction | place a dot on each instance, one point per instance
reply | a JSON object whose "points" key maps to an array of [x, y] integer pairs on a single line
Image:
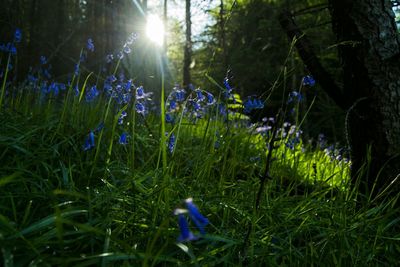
{"points": [[60, 205]]}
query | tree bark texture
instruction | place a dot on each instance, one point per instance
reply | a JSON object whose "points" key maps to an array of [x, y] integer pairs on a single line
{"points": [[369, 48], [187, 56]]}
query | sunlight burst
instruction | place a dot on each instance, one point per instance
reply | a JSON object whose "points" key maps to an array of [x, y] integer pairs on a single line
{"points": [[155, 29]]}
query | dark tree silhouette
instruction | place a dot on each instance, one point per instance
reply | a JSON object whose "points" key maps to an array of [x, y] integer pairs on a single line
{"points": [[369, 47]]}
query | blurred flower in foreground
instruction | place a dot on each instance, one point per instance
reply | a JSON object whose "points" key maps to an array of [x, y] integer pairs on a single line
{"points": [[196, 216], [186, 235], [199, 220]]}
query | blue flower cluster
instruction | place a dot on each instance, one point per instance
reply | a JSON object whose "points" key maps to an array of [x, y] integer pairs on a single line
{"points": [[195, 105], [251, 104], [126, 49], [196, 217]]}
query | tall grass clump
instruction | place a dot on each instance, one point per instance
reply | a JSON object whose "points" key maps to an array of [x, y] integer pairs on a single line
{"points": [[92, 175]]}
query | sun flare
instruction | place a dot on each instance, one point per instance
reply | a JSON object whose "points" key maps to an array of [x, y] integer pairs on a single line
{"points": [[155, 29]]}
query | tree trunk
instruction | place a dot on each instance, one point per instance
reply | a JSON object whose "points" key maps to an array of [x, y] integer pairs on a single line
{"points": [[144, 6], [222, 35], [165, 21], [187, 57], [369, 48]]}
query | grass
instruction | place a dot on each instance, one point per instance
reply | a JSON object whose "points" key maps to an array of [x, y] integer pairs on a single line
{"points": [[112, 205]]}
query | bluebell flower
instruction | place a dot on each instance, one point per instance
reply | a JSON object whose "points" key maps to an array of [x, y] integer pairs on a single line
{"points": [[128, 85], [46, 73], [200, 96], [109, 58], [169, 118], [140, 108], [129, 41], [185, 235], [180, 95], [12, 49], [111, 79], [196, 216], [76, 90], [89, 142], [90, 45], [43, 60], [140, 92], [222, 109], [53, 87], [308, 81], [196, 105], [171, 143], [217, 144], [251, 104], [32, 78], [83, 57], [121, 117], [131, 38], [76, 70], [172, 105], [295, 97], [127, 49], [210, 99], [120, 55], [227, 85], [191, 87], [123, 139], [227, 93], [91, 94], [17, 35]]}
